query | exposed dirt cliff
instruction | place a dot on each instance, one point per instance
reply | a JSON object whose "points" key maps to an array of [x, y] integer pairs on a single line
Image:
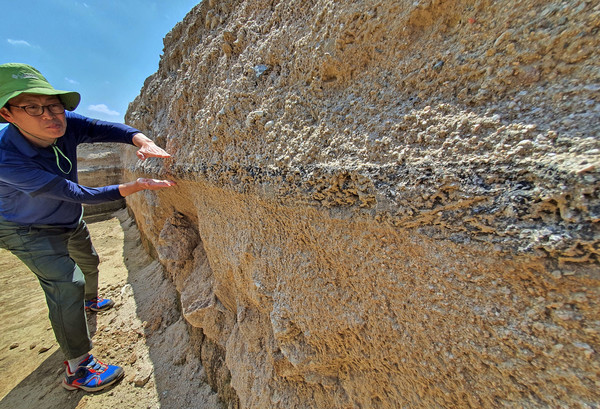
{"points": [[100, 165], [382, 203]]}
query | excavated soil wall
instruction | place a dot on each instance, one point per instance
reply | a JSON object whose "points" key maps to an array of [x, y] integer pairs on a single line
{"points": [[382, 204], [100, 165]]}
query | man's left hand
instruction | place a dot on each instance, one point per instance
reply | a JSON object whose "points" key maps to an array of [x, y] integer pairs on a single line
{"points": [[150, 150]]}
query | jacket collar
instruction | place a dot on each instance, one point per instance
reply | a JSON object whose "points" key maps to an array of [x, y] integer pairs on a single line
{"points": [[12, 137]]}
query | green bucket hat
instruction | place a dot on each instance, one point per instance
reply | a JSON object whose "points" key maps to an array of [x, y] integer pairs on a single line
{"points": [[16, 79]]}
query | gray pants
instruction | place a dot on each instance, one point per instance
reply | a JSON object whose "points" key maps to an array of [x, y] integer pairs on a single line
{"points": [[66, 265]]}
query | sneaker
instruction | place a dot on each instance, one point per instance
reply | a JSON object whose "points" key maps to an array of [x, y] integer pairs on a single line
{"points": [[92, 375], [98, 304]]}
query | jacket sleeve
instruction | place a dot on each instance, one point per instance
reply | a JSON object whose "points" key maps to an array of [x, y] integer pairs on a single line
{"points": [[63, 189], [37, 182], [88, 130]]}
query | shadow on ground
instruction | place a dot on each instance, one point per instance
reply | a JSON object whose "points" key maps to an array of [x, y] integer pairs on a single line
{"points": [[43, 386]]}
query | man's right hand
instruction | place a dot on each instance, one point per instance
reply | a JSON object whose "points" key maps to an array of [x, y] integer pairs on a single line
{"points": [[144, 184]]}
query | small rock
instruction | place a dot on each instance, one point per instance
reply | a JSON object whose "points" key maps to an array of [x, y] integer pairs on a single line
{"points": [[585, 169], [260, 69], [126, 290], [141, 381], [565, 315], [13, 346], [142, 377]]}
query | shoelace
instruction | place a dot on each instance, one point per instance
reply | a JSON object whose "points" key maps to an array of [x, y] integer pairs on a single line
{"points": [[96, 365], [92, 364], [56, 152]]}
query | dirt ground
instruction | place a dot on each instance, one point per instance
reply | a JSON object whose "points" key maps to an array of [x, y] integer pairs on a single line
{"points": [[143, 333]]}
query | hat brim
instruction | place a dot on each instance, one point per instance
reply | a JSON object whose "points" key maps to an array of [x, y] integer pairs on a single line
{"points": [[70, 99]]}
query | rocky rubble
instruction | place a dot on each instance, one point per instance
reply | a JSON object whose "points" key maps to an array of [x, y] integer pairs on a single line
{"points": [[382, 203]]}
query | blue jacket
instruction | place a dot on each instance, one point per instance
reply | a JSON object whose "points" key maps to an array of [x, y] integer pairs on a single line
{"points": [[34, 190]]}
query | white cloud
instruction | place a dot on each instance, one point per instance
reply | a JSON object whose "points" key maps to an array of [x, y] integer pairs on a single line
{"points": [[18, 42], [103, 109], [71, 81]]}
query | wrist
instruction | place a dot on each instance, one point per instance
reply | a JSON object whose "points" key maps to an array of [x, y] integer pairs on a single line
{"points": [[126, 189], [140, 140]]}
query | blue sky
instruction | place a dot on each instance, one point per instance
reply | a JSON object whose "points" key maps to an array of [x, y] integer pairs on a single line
{"points": [[103, 49]]}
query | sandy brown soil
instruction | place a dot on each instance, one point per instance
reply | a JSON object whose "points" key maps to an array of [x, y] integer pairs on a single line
{"points": [[142, 333]]}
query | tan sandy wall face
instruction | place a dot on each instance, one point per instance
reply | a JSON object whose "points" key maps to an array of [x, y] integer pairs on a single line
{"points": [[315, 309], [382, 204]]}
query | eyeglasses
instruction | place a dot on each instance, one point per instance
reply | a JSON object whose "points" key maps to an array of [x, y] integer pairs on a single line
{"points": [[37, 110]]}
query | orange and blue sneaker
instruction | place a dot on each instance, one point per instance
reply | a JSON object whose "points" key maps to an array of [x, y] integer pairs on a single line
{"points": [[92, 375], [98, 304]]}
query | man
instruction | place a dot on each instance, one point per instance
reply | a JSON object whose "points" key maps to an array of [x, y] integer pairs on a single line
{"points": [[41, 207]]}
